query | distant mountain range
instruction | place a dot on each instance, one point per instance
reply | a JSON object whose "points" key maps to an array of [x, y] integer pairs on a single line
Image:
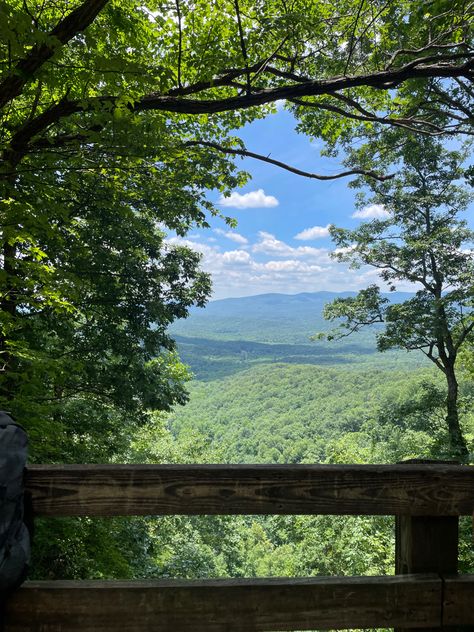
{"points": [[266, 318]]}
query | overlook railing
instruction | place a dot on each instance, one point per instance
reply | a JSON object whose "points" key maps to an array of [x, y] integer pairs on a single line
{"points": [[426, 592]]}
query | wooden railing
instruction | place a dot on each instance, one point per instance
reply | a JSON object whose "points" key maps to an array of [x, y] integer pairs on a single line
{"points": [[426, 592]]}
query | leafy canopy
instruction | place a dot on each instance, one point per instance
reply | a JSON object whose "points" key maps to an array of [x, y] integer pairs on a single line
{"points": [[119, 109], [68, 73]]}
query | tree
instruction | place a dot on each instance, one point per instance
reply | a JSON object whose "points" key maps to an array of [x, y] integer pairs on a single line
{"points": [[67, 74], [96, 284], [138, 102], [422, 240]]}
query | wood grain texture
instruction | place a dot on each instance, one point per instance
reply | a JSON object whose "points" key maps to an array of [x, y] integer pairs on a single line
{"points": [[225, 605], [426, 544], [458, 607], [112, 490]]}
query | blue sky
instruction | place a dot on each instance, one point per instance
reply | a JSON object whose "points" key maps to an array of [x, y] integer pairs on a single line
{"points": [[280, 243]]}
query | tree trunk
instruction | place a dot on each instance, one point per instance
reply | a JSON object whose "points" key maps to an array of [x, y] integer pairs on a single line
{"points": [[457, 442]]}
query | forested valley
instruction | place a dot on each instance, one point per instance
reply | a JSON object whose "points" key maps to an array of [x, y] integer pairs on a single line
{"points": [[285, 400], [123, 127]]}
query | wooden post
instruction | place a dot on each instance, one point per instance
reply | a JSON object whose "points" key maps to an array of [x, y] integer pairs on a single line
{"points": [[427, 544]]}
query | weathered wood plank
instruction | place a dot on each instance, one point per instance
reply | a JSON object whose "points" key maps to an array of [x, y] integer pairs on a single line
{"points": [[226, 605], [111, 490], [458, 607], [426, 544]]}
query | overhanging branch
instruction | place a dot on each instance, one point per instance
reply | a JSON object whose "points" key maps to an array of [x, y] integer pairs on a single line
{"points": [[381, 80], [176, 102], [278, 163], [405, 123]]}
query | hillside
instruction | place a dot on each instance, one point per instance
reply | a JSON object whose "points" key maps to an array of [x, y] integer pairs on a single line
{"points": [[266, 318], [285, 413], [263, 392], [235, 334]]}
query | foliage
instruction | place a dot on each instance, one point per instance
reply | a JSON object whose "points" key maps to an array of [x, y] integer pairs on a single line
{"points": [[71, 72], [78, 548], [116, 117], [117, 110], [85, 340], [294, 413], [423, 240]]}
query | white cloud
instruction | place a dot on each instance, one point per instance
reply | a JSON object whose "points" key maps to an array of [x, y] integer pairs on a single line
{"points": [[316, 232], [373, 211], [271, 265], [280, 266], [268, 244], [253, 199], [238, 239], [288, 265], [236, 256]]}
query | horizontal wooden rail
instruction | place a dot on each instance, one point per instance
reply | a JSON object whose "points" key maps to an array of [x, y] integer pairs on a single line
{"points": [[228, 605], [112, 490], [458, 607]]}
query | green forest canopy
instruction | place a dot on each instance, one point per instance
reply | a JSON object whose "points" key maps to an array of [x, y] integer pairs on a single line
{"points": [[121, 113], [116, 117]]}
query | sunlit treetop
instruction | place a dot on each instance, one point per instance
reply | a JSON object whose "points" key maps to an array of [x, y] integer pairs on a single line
{"points": [[189, 71]]}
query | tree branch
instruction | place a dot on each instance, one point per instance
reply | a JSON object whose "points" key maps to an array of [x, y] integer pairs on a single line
{"points": [[175, 102], [429, 354], [407, 121], [356, 327], [242, 44], [250, 154], [418, 51], [449, 100], [380, 80], [63, 32], [180, 42], [465, 333], [351, 46], [394, 122]]}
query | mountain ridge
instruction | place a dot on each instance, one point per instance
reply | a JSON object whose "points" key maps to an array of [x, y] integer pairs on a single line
{"points": [[329, 295], [267, 318], [232, 334]]}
